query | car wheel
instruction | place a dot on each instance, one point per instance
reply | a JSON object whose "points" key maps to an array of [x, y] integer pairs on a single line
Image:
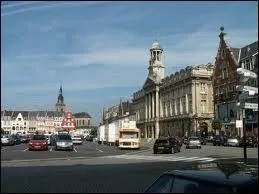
{"points": [[187, 147], [155, 152]]}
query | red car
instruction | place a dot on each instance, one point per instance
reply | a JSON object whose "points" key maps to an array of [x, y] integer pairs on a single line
{"points": [[38, 142]]}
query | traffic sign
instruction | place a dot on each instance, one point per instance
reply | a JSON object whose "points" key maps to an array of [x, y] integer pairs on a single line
{"points": [[253, 106], [247, 88], [246, 73], [239, 123]]}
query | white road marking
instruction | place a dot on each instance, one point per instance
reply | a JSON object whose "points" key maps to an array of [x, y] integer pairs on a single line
{"points": [[51, 149], [75, 150], [99, 150], [162, 158], [25, 150], [3, 149]]}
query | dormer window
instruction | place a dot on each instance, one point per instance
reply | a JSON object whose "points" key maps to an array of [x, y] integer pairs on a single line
{"points": [[19, 119]]}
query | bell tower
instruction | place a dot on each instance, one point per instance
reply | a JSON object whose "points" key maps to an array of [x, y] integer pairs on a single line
{"points": [[156, 66], [60, 106]]}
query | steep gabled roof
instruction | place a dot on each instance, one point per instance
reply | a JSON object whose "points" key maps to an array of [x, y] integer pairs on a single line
{"points": [[249, 50], [82, 115], [41, 113], [8, 113]]}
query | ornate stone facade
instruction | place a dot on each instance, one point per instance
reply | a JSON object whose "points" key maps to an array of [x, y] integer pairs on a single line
{"points": [[179, 104]]}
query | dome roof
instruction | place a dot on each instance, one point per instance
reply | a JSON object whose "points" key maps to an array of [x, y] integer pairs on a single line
{"points": [[156, 45]]}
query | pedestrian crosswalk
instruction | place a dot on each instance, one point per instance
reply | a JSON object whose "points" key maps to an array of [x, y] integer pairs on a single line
{"points": [[162, 158]]}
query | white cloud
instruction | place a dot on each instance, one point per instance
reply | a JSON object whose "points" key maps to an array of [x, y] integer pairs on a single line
{"points": [[42, 7], [127, 54]]}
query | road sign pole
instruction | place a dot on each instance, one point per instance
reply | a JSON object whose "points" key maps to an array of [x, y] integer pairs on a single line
{"points": [[244, 135]]}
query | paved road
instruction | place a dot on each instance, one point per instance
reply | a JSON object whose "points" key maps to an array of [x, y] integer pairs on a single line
{"points": [[87, 149], [106, 169], [208, 153], [98, 174]]}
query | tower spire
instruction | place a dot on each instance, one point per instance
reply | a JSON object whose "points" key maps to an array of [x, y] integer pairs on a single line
{"points": [[60, 106], [60, 90]]}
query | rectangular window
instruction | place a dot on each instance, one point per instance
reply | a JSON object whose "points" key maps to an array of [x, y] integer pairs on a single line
{"points": [[203, 87], [203, 106]]}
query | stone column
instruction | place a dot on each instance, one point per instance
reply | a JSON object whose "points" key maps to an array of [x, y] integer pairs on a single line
{"points": [[146, 107], [146, 132], [153, 104], [157, 104], [150, 106], [157, 114]]}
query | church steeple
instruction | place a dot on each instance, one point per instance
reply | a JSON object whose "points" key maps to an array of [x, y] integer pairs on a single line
{"points": [[60, 90], [60, 106]]}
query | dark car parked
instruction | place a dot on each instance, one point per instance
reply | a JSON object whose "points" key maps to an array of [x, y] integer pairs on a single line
{"points": [[219, 140], [167, 145], [207, 181], [17, 139], [24, 139]]}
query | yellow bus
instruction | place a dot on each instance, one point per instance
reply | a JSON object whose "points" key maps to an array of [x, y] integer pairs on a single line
{"points": [[129, 138]]}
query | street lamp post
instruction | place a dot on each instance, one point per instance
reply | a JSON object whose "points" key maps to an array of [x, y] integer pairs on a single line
{"points": [[246, 92]]}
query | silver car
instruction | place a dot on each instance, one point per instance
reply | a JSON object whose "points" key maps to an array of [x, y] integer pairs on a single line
{"points": [[193, 142], [233, 141], [7, 140], [64, 142]]}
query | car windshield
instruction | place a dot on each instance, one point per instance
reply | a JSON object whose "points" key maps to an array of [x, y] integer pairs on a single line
{"points": [[38, 137], [194, 138], [161, 141], [64, 137]]}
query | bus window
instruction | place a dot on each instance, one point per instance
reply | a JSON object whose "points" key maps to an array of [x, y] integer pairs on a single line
{"points": [[129, 135]]}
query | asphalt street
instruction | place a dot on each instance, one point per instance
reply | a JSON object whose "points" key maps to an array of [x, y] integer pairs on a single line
{"points": [[90, 149], [100, 168], [87, 149], [89, 175]]}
